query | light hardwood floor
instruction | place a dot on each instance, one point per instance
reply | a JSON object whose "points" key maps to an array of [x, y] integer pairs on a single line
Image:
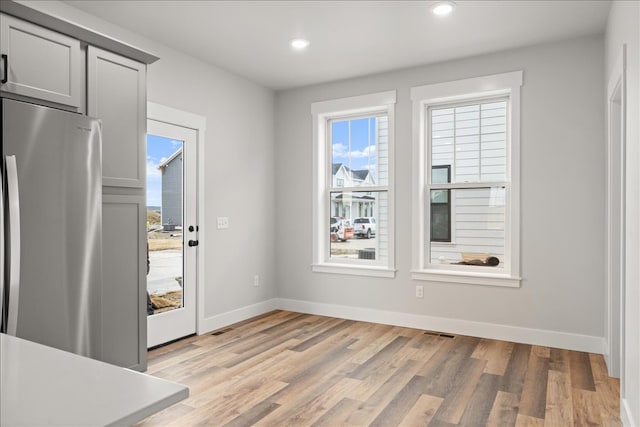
{"points": [[291, 369]]}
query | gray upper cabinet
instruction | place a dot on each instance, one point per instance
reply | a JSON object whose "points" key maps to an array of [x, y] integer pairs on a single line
{"points": [[116, 93], [39, 63]]}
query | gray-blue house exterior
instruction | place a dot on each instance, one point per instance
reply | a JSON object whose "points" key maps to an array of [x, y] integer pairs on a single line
{"points": [[171, 170]]}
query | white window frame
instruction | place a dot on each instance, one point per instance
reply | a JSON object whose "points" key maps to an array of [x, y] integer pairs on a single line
{"points": [[322, 112], [478, 88]]}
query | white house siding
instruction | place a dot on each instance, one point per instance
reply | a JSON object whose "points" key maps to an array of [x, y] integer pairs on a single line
{"points": [[382, 148], [477, 226], [472, 140], [382, 227], [381, 212], [350, 205], [341, 178]]}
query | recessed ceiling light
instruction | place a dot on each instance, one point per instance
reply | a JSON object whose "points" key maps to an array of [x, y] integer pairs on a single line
{"points": [[299, 44], [443, 8]]}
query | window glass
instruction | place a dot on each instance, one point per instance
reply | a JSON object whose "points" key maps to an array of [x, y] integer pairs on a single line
{"points": [[441, 174], [440, 222], [479, 224], [440, 205], [467, 146], [359, 151], [361, 237], [359, 158], [471, 139]]}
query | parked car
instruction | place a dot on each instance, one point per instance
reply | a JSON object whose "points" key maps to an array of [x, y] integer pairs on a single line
{"points": [[364, 227], [340, 229]]}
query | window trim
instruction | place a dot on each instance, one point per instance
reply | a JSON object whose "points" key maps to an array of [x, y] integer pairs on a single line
{"points": [[322, 112], [423, 97]]}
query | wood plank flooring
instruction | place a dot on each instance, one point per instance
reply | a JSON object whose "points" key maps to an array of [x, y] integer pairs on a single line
{"points": [[291, 369]]}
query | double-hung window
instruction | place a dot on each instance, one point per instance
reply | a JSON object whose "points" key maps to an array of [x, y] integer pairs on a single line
{"points": [[466, 151], [353, 185]]}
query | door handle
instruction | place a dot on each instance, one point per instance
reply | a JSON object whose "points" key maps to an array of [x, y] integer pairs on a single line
{"points": [[193, 243], [2, 328], [5, 63], [14, 243]]}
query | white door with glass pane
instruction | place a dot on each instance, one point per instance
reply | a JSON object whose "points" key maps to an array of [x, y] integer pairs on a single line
{"points": [[172, 231]]}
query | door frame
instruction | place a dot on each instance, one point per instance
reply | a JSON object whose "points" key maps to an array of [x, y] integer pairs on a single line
{"points": [[616, 184], [173, 116]]}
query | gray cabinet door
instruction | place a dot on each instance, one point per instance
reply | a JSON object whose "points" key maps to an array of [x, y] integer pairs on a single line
{"points": [[124, 298], [39, 63], [116, 93]]}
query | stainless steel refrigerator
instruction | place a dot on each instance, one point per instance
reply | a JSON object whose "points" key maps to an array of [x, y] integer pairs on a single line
{"points": [[51, 228]]}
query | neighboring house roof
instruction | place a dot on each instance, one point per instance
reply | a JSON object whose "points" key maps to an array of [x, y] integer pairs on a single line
{"points": [[361, 174], [170, 159], [353, 196]]}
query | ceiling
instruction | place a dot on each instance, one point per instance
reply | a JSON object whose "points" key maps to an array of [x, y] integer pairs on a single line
{"points": [[348, 38]]}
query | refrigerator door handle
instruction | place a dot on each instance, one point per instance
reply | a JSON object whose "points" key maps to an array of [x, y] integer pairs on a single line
{"points": [[13, 219], [2, 321]]}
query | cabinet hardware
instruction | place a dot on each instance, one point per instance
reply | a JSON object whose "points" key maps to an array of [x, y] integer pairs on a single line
{"points": [[5, 64]]}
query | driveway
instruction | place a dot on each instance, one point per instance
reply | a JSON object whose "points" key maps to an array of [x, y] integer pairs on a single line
{"points": [[165, 267], [349, 249]]}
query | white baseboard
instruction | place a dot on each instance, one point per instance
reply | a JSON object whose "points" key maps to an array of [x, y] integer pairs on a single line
{"points": [[607, 355], [613, 366], [625, 414], [540, 337], [218, 321]]}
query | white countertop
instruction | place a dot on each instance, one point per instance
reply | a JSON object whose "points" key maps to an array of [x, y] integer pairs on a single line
{"points": [[43, 386]]}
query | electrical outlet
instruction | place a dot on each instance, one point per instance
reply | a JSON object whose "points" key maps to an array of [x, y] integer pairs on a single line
{"points": [[256, 280], [419, 291], [223, 222]]}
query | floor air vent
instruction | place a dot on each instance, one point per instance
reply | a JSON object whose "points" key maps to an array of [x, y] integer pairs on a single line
{"points": [[439, 334], [222, 331]]}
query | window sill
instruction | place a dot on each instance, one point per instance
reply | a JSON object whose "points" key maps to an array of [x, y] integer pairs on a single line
{"points": [[354, 270], [485, 279]]}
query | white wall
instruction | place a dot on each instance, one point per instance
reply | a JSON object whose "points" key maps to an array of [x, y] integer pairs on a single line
{"points": [[239, 177], [239, 174], [563, 194], [623, 27]]}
